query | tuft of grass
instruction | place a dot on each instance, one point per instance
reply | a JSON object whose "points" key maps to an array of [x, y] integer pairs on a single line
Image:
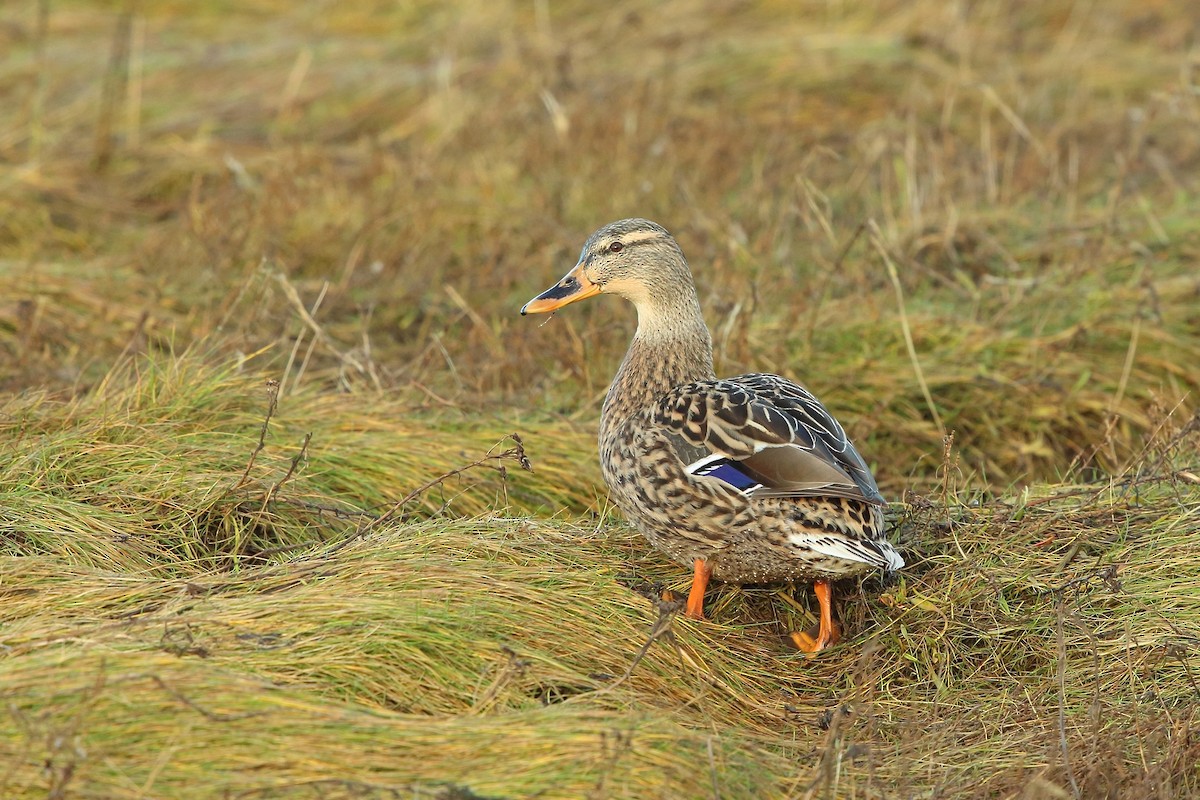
{"points": [[177, 465]]}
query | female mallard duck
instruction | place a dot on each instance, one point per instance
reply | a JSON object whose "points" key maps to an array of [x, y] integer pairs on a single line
{"points": [[748, 479]]}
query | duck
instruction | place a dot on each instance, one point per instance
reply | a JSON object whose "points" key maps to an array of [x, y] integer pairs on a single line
{"points": [[747, 479]]}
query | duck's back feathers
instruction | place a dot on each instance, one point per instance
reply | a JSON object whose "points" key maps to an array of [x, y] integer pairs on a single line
{"points": [[767, 437]]}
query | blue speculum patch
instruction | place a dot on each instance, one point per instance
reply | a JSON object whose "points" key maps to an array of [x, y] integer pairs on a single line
{"points": [[727, 471]]}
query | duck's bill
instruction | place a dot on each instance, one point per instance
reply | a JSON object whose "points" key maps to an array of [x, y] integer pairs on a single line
{"points": [[574, 286]]}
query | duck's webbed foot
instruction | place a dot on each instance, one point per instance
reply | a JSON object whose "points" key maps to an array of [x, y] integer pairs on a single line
{"points": [[827, 631]]}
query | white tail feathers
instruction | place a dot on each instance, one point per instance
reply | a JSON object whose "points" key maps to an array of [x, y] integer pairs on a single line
{"points": [[877, 553]]}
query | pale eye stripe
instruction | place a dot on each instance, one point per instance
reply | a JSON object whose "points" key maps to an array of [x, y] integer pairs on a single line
{"points": [[634, 238], [643, 235]]}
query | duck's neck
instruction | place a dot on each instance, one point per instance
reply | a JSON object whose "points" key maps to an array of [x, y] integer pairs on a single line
{"points": [[672, 346]]}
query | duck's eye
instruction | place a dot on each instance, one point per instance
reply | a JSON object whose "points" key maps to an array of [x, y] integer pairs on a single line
{"points": [[616, 247]]}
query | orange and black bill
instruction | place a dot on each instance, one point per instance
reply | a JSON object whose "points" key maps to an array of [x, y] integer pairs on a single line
{"points": [[573, 286]]}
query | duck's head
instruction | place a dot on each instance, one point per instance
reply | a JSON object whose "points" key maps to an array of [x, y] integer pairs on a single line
{"points": [[634, 258]]}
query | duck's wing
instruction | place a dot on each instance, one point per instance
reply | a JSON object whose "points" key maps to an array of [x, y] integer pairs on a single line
{"points": [[767, 437]]}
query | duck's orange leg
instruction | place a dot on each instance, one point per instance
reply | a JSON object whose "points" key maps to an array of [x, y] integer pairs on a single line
{"points": [[828, 631], [695, 603]]}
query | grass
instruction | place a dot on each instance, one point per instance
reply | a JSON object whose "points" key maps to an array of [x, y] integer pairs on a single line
{"points": [[498, 652], [264, 528]]}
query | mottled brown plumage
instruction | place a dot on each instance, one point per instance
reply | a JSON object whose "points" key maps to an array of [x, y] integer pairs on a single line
{"points": [[747, 479]]}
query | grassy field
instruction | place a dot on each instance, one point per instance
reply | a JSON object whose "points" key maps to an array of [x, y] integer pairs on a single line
{"points": [[293, 504]]}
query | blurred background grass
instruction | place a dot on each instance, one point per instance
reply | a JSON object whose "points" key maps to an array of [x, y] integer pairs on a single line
{"points": [[354, 200]]}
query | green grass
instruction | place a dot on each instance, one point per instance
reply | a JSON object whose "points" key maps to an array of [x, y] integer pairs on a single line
{"points": [[258, 294], [168, 621]]}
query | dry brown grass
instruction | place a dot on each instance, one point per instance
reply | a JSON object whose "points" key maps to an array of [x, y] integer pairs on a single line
{"points": [[997, 200], [411, 177]]}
